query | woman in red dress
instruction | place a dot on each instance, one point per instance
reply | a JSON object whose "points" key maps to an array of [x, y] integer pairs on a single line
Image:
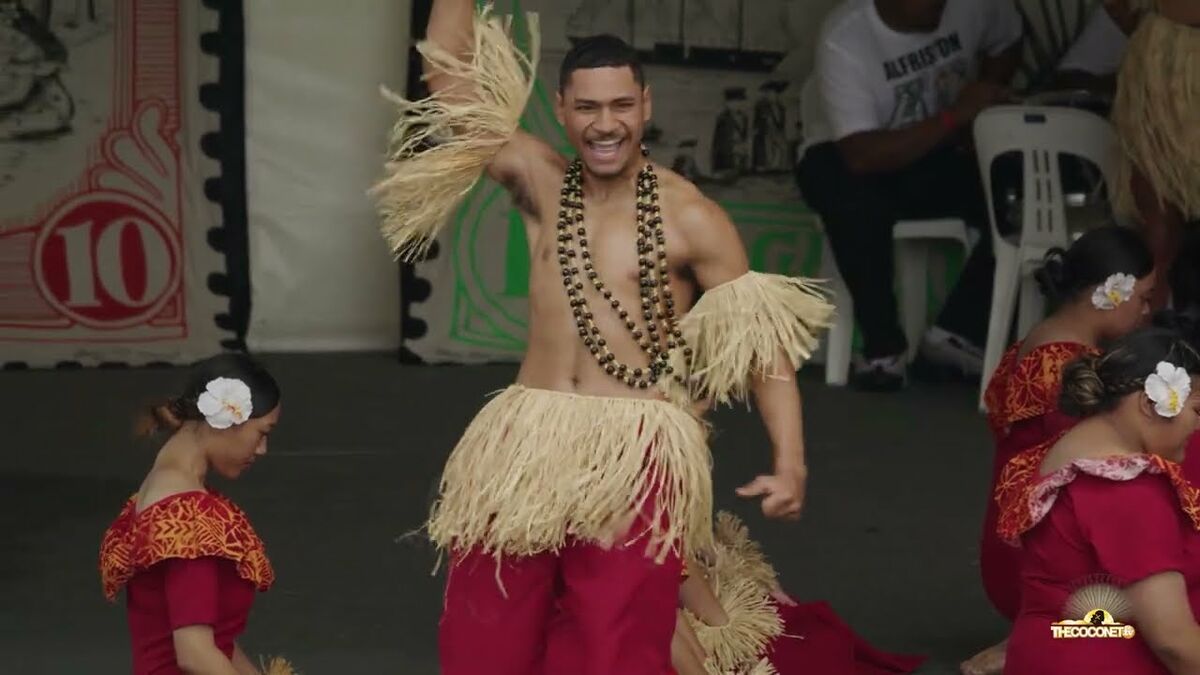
{"points": [[736, 620], [1101, 288], [1106, 520], [186, 557]]}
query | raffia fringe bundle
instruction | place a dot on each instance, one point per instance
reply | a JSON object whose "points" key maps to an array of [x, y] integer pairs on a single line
{"points": [[277, 665], [739, 330], [536, 467], [441, 144], [741, 578], [1157, 115]]}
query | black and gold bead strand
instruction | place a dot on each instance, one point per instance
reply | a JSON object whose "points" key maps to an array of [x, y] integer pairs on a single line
{"points": [[654, 287]]}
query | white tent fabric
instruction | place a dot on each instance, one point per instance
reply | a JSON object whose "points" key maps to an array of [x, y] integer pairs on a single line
{"points": [[316, 129]]}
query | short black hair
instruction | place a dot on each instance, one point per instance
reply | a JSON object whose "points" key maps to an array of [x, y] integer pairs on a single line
{"points": [[600, 51]]}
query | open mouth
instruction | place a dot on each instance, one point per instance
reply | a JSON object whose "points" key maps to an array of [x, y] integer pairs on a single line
{"points": [[605, 150]]}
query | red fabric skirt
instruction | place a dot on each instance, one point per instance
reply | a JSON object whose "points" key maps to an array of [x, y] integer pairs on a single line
{"points": [[816, 640]]}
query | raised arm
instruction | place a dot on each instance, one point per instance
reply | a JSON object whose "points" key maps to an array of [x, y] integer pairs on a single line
{"points": [[518, 163], [469, 125], [451, 27]]}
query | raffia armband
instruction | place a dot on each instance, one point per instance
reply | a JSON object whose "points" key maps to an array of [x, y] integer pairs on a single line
{"points": [[441, 145], [737, 331]]}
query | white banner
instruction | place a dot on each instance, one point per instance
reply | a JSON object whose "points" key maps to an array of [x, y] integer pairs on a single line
{"points": [[316, 132], [103, 217]]}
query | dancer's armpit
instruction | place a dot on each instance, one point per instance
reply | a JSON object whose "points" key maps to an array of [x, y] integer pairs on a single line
{"points": [[530, 170]]}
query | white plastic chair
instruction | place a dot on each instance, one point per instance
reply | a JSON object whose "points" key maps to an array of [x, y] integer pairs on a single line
{"points": [[912, 269], [912, 238], [1041, 135]]}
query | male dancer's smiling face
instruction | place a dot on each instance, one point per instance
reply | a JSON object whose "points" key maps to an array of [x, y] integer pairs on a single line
{"points": [[604, 112]]}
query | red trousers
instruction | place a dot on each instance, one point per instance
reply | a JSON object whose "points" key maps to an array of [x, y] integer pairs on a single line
{"points": [[584, 611]]}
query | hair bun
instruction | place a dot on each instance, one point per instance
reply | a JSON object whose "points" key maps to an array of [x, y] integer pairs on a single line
{"points": [[165, 416], [1083, 391], [1053, 278]]}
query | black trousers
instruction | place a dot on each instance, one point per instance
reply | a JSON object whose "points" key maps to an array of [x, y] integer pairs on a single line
{"points": [[859, 212]]}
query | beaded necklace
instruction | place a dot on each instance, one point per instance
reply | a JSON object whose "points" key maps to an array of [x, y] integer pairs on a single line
{"points": [[658, 305]]}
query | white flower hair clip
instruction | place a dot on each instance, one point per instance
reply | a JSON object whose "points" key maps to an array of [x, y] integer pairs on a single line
{"points": [[225, 403], [1169, 387], [1117, 289]]}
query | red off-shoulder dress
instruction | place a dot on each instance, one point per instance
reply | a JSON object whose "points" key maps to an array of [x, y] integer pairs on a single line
{"points": [[1116, 520], [1022, 403], [191, 559]]}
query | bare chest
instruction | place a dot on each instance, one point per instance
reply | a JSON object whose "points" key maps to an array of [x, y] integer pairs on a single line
{"points": [[606, 252]]}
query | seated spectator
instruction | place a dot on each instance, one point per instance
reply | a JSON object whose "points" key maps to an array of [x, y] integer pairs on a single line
{"points": [[899, 84]]}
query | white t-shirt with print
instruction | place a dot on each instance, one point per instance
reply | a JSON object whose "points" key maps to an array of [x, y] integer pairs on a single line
{"points": [[870, 77]]}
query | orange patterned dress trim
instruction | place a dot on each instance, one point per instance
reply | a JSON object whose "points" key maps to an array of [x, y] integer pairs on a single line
{"points": [[1025, 498], [188, 525], [1024, 387]]}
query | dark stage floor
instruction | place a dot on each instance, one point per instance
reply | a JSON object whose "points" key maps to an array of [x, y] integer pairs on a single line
{"points": [[889, 535]]}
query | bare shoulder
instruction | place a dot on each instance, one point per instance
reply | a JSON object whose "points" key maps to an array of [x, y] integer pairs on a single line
{"points": [[1090, 439], [700, 219], [164, 482], [711, 247]]}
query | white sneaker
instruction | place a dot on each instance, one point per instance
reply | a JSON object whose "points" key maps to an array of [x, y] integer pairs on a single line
{"points": [[888, 373], [943, 348]]}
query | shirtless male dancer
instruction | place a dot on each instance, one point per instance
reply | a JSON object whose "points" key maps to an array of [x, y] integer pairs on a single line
{"points": [[573, 498]]}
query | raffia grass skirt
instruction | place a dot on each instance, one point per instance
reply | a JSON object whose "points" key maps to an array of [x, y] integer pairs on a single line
{"points": [[537, 467], [1157, 115]]}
